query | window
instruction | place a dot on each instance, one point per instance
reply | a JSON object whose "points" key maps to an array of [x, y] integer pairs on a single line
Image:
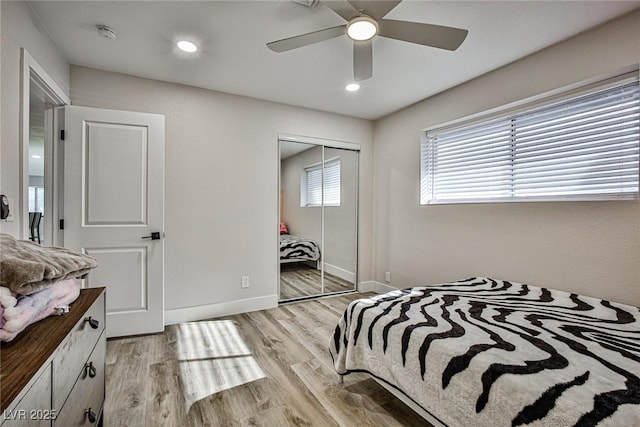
{"points": [[36, 199], [312, 189], [584, 146]]}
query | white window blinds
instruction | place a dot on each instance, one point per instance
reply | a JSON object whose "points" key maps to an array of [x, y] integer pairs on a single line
{"points": [[314, 184], [581, 148]]}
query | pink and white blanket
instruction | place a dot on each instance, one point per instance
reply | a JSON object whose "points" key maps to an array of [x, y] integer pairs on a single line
{"points": [[19, 311]]}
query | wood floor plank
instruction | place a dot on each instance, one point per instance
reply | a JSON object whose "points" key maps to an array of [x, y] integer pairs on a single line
{"points": [[349, 407], [165, 395], [339, 303], [299, 280], [342, 407], [310, 330], [126, 384], [263, 369], [278, 340], [306, 408]]}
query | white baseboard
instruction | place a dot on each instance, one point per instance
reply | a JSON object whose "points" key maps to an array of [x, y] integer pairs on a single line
{"points": [[347, 275], [377, 287], [201, 312]]}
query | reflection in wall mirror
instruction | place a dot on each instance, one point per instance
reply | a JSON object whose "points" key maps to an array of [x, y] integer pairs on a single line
{"points": [[300, 221], [318, 219], [37, 106], [340, 219]]}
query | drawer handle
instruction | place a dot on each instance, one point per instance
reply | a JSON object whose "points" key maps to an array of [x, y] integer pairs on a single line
{"points": [[91, 416], [92, 322], [90, 369]]}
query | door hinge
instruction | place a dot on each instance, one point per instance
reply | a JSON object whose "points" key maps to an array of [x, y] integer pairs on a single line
{"points": [[61, 134], [62, 224]]}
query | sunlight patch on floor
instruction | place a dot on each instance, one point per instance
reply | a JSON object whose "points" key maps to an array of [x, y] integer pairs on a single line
{"points": [[213, 357]]}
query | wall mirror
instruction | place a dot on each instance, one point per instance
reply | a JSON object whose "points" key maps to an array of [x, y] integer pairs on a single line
{"points": [[318, 211], [40, 96], [40, 106]]}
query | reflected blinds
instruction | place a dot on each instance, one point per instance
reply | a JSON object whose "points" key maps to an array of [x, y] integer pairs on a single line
{"points": [[314, 181], [584, 147]]}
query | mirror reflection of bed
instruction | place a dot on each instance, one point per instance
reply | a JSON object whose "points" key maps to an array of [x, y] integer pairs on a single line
{"points": [[302, 278], [318, 220]]}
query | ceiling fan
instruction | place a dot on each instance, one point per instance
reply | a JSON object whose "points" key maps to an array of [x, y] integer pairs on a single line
{"points": [[365, 22]]}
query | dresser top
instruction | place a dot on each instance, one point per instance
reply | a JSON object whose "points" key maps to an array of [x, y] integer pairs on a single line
{"points": [[23, 357]]}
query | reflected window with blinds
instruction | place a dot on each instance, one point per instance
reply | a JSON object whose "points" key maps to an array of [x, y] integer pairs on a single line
{"points": [[579, 146], [316, 184]]}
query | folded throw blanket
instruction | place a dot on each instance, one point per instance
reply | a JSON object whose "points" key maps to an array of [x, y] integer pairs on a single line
{"points": [[21, 311], [26, 267]]}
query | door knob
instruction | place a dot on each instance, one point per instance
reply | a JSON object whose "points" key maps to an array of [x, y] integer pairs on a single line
{"points": [[153, 236]]}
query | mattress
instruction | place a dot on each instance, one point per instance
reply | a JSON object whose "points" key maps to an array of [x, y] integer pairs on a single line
{"points": [[484, 352]]}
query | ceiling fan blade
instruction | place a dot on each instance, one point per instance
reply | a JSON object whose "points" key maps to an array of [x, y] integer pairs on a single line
{"points": [[306, 39], [376, 9], [426, 34], [342, 8], [362, 60]]}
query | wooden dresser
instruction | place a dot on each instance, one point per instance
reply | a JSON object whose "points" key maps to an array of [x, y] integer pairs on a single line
{"points": [[53, 373]]}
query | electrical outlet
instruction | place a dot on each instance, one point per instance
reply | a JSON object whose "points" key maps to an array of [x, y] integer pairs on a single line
{"points": [[387, 276], [245, 282]]}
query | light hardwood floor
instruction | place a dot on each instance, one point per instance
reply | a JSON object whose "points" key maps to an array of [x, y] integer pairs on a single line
{"points": [[300, 280], [268, 368]]}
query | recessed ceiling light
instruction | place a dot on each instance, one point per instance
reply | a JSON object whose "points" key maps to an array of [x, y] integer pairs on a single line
{"points": [[35, 156], [352, 87], [362, 28], [187, 46]]}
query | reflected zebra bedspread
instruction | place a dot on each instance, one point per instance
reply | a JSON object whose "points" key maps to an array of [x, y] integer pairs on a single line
{"points": [[298, 248], [483, 352]]}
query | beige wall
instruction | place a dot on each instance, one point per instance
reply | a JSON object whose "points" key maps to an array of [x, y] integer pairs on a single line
{"points": [[340, 222], [20, 29], [300, 221], [587, 247], [221, 211]]}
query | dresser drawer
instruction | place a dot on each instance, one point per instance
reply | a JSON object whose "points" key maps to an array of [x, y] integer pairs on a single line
{"points": [[75, 350], [87, 393], [34, 409]]}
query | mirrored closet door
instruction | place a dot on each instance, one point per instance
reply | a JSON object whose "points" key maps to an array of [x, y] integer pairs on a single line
{"points": [[318, 217]]}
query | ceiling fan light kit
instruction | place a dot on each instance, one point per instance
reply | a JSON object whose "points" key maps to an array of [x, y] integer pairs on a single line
{"points": [[365, 21], [362, 28]]}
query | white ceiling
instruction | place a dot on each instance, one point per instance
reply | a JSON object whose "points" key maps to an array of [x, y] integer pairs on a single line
{"points": [[233, 57]]}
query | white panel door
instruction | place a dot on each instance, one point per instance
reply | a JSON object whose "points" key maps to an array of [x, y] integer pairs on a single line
{"points": [[113, 204]]}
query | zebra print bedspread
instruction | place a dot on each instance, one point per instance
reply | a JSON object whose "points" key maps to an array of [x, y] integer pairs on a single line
{"points": [[483, 352], [298, 248]]}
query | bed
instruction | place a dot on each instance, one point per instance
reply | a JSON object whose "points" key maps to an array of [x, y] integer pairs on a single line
{"points": [[484, 352], [298, 249]]}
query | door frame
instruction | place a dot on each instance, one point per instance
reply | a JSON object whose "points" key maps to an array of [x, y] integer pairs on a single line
{"points": [[323, 142], [31, 70]]}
